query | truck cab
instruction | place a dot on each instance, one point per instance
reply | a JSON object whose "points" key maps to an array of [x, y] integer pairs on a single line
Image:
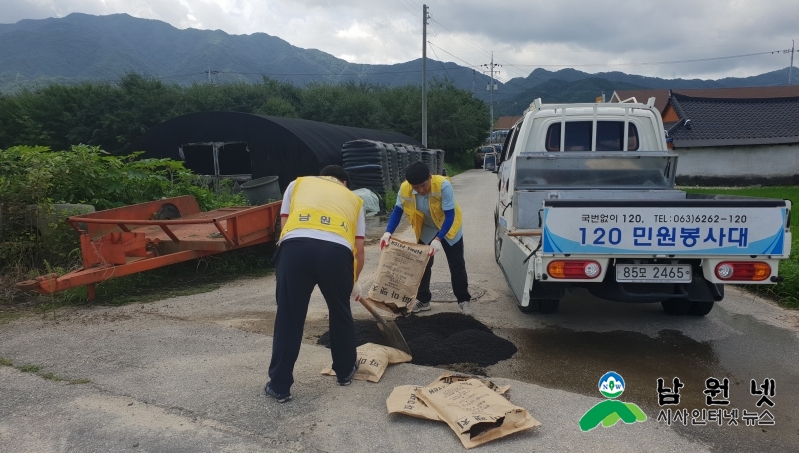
{"points": [[587, 200]]}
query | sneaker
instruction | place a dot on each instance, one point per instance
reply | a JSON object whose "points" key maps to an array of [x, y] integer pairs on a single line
{"points": [[466, 308], [420, 306], [277, 396], [348, 380]]}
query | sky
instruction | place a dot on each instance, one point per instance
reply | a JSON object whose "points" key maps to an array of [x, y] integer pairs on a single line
{"points": [[646, 37]]}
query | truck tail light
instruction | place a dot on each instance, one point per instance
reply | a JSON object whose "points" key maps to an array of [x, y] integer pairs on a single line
{"points": [[743, 270], [574, 269]]}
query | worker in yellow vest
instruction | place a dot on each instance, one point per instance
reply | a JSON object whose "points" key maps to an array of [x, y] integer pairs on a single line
{"points": [[321, 243], [428, 202]]}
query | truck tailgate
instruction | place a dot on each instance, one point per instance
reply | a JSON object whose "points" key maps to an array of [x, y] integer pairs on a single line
{"points": [[691, 227]]}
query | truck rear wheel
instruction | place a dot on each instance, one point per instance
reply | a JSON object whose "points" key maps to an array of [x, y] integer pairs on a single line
{"points": [[548, 306], [497, 243], [677, 307], [700, 308], [544, 306]]}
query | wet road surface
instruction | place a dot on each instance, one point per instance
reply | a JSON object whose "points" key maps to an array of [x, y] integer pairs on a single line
{"points": [[742, 339]]}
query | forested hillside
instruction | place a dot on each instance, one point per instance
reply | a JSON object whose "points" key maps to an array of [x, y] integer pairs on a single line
{"points": [[82, 47]]}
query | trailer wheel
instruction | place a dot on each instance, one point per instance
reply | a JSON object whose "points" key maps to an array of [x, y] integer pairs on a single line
{"points": [[700, 308], [168, 211], [676, 307]]}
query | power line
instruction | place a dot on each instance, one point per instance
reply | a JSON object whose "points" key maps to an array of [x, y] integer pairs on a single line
{"points": [[470, 65], [476, 47], [440, 62], [409, 10], [653, 63], [205, 73]]}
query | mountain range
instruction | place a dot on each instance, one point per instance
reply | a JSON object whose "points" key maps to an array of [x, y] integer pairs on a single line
{"points": [[82, 47]]}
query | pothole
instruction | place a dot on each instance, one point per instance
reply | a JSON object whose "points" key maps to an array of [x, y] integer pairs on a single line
{"points": [[442, 292], [441, 339]]}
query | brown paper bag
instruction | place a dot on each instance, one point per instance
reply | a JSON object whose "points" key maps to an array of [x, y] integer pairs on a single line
{"points": [[373, 359], [403, 399], [399, 274], [476, 413], [449, 378]]}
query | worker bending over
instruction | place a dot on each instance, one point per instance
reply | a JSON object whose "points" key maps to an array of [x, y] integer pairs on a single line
{"points": [[321, 243]]}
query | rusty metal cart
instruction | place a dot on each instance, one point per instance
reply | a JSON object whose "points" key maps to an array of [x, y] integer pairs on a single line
{"points": [[136, 238]]}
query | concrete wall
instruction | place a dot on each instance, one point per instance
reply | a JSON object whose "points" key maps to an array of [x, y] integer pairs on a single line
{"points": [[739, 165]]}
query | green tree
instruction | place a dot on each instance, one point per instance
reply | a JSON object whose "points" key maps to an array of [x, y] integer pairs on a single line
{"points": [[114, 115]]}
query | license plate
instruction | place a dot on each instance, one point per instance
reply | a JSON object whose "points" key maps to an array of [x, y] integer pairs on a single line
{"points": [[653, 273]]}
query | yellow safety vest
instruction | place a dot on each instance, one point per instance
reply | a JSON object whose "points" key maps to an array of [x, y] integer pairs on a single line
{"points": [[416, 218], [323, 203]]}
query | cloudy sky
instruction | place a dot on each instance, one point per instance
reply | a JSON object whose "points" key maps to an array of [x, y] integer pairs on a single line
{"points": [[645, 37]]}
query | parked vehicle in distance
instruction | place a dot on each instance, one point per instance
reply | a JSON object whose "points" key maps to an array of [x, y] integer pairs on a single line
{"points": [[490, 162], [479, 155], [587, 200]]}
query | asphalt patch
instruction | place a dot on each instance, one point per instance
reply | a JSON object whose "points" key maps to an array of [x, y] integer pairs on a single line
{"points": [[440, 339]]}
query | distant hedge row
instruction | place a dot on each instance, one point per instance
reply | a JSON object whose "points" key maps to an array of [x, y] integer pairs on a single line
{"points": [[113, 115]]}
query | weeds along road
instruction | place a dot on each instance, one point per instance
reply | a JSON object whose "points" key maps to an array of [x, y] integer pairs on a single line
{"points": [[187, 373]]}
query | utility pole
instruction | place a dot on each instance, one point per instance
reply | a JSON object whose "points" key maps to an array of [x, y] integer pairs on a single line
{"points": [[790, 68], [473, 82], [424, 76], [209, 72], [492, 87]]}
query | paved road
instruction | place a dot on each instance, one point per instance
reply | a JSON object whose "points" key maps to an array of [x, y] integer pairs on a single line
{"points": [[186, 374]]}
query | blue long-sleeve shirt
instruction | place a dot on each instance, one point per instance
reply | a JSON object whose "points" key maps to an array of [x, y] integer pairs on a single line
{"points": [[429, 230]]}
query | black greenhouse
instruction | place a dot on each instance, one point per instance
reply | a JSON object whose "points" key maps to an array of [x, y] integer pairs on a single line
{"points": [[244, 145]]}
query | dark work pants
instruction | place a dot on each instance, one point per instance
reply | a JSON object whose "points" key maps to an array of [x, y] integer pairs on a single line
{"points": [[303, 264], [457, 272]]}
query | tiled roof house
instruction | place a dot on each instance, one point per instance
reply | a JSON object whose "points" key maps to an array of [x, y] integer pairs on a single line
{"points": [[716, 122], [730, 136]]}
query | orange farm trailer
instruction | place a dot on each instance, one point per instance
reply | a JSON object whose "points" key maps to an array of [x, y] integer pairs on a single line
{"points": [[140, 237]]}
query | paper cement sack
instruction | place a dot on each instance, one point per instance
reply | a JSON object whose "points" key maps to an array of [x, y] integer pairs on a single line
{"points": [[476, 413], [403, 399], [399, 273], [373, 359]]}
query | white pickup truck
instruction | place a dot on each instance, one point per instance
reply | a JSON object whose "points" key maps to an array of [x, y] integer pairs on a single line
{"points": [[587, 200]]}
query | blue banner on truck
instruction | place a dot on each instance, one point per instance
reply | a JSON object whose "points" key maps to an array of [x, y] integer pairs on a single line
{"points": [[665, 230]]}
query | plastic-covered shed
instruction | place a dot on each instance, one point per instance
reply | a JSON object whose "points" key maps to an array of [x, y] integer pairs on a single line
{"points": [[244, 145]]}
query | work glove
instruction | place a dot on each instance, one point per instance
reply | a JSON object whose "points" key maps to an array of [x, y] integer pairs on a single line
{"points": [[435, 247], [356, 291], [384, 240]]}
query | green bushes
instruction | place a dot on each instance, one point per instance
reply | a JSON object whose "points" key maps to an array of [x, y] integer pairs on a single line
{"points": [[81, 175], [114, 115]]}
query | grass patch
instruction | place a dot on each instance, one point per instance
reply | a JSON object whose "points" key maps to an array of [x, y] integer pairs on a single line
{"points": [[51, 377], [36, 368], [79, 381], [779, 192], [7, 316], [786, 292]]}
